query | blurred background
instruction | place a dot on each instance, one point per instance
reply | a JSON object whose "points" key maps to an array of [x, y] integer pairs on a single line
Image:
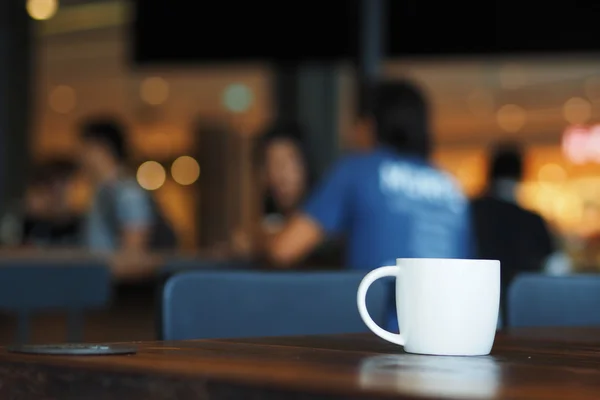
{"points": [[197, 83], [82, 53]]}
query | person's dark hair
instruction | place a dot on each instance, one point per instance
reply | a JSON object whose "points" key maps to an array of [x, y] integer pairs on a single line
{"points": [[284, 131], [401, 116], [506, 162], [289, 131], [109, 132]]}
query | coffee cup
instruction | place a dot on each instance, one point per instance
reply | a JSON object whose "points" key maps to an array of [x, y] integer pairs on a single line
{"points": [[445, 306]]}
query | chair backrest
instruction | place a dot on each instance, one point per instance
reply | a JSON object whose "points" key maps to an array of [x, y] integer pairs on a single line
{"points": [[200, 305], [44, 285], [181, 264], [30, 286], [542, 300]]}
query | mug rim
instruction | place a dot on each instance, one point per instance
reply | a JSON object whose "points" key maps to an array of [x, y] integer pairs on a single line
{"points": [[486, 260]]}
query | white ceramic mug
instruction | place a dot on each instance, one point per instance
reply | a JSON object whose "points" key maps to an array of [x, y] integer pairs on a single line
{"points": [[445, 306]]}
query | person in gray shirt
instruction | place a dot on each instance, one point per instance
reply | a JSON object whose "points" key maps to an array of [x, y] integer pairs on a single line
{"points": [[121, 215]]}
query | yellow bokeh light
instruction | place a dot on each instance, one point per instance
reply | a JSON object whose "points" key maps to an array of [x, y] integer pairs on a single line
{"points": [[511, 117], [151, 175], [42, 9], [62, 99], [527, 195], [577, 110], [552, 173], [154, 91], [568, 208], [185, 170], [544, 201]]}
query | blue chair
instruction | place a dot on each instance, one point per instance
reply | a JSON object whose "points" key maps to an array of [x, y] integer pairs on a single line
{"points": [[28, 287], [178, 264], [199, 305], [542, 300], [181, 264]]}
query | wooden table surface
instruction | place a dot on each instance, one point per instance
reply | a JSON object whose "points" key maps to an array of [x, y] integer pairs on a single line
{"points": [[524, 364]]}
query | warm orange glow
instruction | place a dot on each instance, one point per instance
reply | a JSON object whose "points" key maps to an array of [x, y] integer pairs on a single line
{"points": [[556, 190], [592, 88], [42, 9], [552, 173], [569, 207], [185, 170], [154, 91], [151, 175], [511, 117], [62, 99], [480, 103], [577, 110]]}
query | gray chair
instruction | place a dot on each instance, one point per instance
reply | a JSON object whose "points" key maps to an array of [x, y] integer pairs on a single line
{"points": [[543, 300], [28, 287], [228, 304]]}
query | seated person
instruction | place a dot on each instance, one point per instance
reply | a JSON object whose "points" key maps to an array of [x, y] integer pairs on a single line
{"points": [[124, 221], [285, 173], [391, 202], [286, 178], [505, 231]]}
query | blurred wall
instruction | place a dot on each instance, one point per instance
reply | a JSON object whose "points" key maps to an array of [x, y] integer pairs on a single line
{"points": [[83, 69]]}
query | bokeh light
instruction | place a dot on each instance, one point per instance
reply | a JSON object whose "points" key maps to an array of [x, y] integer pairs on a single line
{"points": [[569, 208], [151, 175], [552, 173], [511, 117], [154, 90], [577, 110], [41, 9], [237, 98], [185, 170]]}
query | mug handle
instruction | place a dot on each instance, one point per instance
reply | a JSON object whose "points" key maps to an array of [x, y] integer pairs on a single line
{"points": [[361, 299]]}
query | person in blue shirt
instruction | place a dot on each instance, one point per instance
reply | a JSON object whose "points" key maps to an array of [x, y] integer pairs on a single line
{"points": [[390, 202]]}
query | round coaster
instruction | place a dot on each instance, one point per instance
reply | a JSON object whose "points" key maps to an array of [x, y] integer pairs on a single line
{"points": [[73, 349]]}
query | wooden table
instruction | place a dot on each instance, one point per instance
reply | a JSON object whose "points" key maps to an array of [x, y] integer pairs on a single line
{"points": [[525, 364]]}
